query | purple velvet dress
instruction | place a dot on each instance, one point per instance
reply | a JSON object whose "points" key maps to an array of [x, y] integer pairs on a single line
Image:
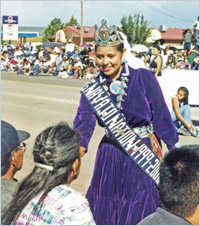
{"points": [[120, 193]]}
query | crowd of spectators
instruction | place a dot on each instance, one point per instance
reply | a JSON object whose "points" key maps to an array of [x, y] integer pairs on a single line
{"points": [[173, 58], [64, 63], [48, 60]]}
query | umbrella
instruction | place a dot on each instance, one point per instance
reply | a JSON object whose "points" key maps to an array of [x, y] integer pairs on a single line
{"points": [[53, 44], [139, 48], [172, 48], [162, 41], [86, 45]]}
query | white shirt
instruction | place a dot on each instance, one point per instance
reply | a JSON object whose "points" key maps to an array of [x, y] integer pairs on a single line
{"points": [[69, 47], [37, 62], [79, 64], [40, 54], [18, 53], [53, 58], [62, 206], [197, 25]]}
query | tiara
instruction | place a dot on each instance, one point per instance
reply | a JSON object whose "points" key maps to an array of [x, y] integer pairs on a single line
{"points": [[106, 36]]}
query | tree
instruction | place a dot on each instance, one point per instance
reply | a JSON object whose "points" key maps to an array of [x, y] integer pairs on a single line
{"points": [[136, 29], [52, 28], [72, 22], [127, 27]]}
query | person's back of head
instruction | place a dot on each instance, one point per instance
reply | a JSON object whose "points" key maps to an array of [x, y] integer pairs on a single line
{"points": [[179, 182], [55, 152], [57, 147]]}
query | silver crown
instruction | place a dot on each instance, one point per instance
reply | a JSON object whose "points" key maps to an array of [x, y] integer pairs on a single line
{"points": [[106, 36]]}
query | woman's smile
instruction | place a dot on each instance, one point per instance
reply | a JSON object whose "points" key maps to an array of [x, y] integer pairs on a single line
{"points": [[108, 60]]}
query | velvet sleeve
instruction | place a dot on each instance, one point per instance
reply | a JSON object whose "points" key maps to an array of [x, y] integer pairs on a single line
{"points": [[162, 122], [84, 122]]}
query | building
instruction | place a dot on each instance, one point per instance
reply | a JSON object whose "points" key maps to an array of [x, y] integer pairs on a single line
{"points": [[173, 36], [74, 33], [170, 36]]}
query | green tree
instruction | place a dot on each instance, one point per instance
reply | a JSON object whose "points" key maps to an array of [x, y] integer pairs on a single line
{"points": [[135, 28], [72, 22], [52, 28], [141, 30], [127, 27]]}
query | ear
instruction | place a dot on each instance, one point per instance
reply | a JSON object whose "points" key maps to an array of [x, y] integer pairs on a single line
{"points": [[13, 159], [124, 51], [75, 165]]}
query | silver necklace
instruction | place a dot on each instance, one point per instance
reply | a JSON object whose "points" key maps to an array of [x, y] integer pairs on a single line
{"points": [[118, 87]]}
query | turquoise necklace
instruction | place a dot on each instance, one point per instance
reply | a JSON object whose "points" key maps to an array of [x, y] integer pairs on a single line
{"points": [[118, 87]]}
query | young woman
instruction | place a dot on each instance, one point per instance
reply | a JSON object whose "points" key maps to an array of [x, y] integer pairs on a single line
{"points": [[45, 197], [120, 192], [181, 113], [156, 64]]}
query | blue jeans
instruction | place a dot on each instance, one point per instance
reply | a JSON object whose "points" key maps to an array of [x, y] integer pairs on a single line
{"points": [[196, 34], [37, 69], [187, 45], [20, 71], [186, 114]]}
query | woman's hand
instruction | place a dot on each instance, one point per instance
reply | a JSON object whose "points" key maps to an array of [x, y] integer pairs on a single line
{"points": [[190, 126], [82, 151]]}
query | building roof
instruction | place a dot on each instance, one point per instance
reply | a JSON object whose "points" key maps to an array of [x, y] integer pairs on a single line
{"points": [[88, 31], [172, 34]]}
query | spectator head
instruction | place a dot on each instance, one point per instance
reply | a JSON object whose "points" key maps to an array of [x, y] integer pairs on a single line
{"points": [[69, 41], [179, 183], [166, 50], [11, 149], [170, 52], [57, 147], [156, 49], [184, 95], [176, 51]]}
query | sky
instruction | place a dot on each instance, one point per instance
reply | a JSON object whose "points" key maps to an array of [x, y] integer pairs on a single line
{"points": [[172, 14]]}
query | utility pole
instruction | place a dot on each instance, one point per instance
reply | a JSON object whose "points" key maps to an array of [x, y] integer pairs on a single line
{"points": [[81, 41]]}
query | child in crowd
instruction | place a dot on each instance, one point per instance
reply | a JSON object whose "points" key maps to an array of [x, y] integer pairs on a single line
{"points": [[181, 113]]}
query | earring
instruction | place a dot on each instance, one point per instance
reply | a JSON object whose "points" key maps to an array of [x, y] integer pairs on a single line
{"points": [[74, 173], [123, 60]]}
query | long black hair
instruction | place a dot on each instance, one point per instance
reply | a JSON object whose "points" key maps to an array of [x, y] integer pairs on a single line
{"points": [[56, 146], [186, 94]]}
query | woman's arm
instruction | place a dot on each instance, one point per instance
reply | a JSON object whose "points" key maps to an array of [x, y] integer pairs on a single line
{"points": [[178, 115], [158, 61], [146, 59], [160, 115], [85, 121]]}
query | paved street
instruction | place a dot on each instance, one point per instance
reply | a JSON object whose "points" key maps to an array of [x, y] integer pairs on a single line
{"points": [[34, 103]]}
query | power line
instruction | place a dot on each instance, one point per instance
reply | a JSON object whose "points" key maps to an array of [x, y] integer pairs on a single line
{"points": [[172, 11], [169, 15]]}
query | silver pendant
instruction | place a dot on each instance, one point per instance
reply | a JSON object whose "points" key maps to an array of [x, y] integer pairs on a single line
{"points": [[115, 87]]}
